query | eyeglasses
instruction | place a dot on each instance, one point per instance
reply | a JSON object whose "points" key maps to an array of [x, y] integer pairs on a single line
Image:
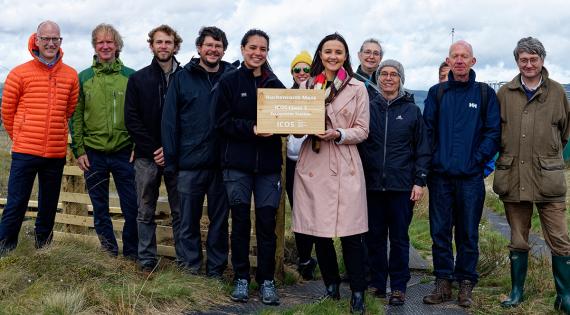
{"points": [[55, 40], [389, 74], [368, 53], [533, 61], [305, 69]]}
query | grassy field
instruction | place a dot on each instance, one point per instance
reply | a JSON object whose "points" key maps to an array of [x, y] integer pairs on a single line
{"points": [[494, 266], [73, 277]]}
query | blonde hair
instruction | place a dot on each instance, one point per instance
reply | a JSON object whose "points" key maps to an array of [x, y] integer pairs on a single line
{"points": [[107, 29]]}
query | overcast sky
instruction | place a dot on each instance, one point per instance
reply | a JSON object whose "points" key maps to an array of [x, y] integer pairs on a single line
{"points": [[416, 33]]}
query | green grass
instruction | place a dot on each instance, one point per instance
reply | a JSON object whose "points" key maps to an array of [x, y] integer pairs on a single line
{"points": [[329, 307], [73, 277]]}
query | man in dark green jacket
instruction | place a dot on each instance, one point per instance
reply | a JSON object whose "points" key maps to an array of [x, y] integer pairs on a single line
{"points": [[530, 169], [100, 140]]}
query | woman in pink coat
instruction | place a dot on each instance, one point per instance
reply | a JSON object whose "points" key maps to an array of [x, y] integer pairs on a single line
{"points": [[329, 192]]}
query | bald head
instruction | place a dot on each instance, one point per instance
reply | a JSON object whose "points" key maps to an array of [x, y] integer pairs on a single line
{"points": [[460, 60], [462, 43], [48, 40], [47, 26]]}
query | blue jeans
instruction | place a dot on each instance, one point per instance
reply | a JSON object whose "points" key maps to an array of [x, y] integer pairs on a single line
{"points": [[23, 171], [459, 202], [389, 215], [148, 177], [192, 187], [97, 180]]}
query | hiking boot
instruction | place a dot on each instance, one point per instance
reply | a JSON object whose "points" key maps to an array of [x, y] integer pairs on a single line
{"points": [[397, 297], [441, 293], [307, 269], [332, 292], [357, 303], [464, 296], [269, 293], [241, 291]]}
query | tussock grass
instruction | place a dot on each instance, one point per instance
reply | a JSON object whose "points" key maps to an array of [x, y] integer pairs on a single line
{"points": [[74, 277]]}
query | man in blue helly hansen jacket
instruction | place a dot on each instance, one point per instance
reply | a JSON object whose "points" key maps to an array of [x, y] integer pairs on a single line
{"points": [[464, 134]]}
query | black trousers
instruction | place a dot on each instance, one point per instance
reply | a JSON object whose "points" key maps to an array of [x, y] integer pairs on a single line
{"points": [[352, 252], [304, 242]]}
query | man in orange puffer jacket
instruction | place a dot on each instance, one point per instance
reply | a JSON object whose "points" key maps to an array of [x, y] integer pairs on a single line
{"points": [[39, 98]]}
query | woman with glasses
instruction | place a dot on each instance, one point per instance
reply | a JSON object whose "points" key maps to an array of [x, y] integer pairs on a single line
{"points": [[395, 158], [251, 163], [329, 192], [300, 70]]}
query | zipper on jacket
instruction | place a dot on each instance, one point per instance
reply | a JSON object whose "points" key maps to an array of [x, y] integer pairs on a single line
{"points": [[114, 108], [388, 103]]}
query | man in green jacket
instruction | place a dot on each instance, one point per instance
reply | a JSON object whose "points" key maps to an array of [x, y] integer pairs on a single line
{"points": [[100, 140], [530, 168]]}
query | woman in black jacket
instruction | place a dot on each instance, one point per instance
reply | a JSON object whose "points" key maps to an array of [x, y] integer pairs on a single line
{"points": [[395, 158], [251, 163]]}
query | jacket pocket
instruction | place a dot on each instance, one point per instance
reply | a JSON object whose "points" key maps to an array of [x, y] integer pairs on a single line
{"points": [[502, 175], [552, 182]]}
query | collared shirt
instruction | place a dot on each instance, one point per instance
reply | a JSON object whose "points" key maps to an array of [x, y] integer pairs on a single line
{"points": [[529, 91], [172, 70]]}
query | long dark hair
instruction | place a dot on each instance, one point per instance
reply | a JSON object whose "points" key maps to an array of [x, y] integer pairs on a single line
{"points": [[260, 33], [317, 66]]}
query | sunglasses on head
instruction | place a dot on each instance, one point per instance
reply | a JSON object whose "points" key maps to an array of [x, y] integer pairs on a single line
{"points": [[298, 70]]}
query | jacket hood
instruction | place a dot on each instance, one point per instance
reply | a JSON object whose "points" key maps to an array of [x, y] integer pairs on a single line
{"points": [[35, 50], [403, 97], [155, 63], [194, 65], [454, 82], [114, 66]]}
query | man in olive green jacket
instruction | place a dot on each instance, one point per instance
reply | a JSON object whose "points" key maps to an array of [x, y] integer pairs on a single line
{"points": [[535, 117], [100, 140]]}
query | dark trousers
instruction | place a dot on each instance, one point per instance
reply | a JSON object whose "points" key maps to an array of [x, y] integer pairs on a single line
{"points": [[266, 189], [389, 215], [353, 260], [192, 187], [97, 180], [456, 201], [148, 177], [23, 171], [303, 242]]}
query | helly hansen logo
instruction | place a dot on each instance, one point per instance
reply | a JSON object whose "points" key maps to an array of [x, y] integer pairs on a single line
{"points": [[244, 94], [472, 105]]}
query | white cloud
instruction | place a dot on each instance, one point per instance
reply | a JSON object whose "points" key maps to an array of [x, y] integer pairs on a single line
{"points": [[417, 33]]}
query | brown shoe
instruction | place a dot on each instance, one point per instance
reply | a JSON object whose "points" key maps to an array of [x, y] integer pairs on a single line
{"points": [[464, 296], [441, 293], [397, 298]]}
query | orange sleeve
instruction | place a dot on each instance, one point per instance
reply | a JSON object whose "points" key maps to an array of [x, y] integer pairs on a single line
{"points": [[10, 100]]}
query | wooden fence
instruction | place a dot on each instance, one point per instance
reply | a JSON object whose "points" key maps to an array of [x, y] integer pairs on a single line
{"points": [[75, 217]]}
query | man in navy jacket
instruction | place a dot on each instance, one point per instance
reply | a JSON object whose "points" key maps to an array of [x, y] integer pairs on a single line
{"points": [[191, 148], [144, 100], [464, 133]]}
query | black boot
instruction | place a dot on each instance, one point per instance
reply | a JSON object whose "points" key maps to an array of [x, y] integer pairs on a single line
{"points": [[357, 303], [561, 272], [307, 269], [332, 292], [519, 266]]}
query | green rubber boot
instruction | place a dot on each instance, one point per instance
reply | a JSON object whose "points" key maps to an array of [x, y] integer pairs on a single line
{"points": [[561, 272], [519, 266]]}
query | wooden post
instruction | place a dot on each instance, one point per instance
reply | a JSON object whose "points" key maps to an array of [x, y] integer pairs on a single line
{"points": [[280, 221], [76, 184]]}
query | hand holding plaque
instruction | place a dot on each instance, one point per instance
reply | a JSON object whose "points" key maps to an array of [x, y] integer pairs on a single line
{"points": [[281, 111]]}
